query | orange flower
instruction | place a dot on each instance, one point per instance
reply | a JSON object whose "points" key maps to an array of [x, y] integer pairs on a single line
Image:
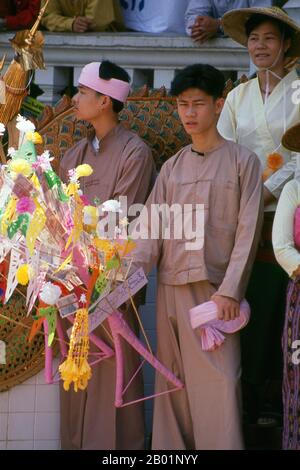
{"points": [[274, 161]]}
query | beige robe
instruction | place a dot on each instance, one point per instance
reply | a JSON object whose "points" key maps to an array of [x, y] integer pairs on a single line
{"points": [[89, 419], [206, 414]]}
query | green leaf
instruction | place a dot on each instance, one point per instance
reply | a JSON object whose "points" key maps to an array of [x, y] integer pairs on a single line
{"points": [[113, 263], [101, 283]]}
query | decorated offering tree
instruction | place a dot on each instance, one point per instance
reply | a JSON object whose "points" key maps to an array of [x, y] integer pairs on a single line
{"points": [[70, 269]]}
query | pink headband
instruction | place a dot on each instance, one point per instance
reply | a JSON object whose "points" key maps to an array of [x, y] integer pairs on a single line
{"points": [[114, 88]]}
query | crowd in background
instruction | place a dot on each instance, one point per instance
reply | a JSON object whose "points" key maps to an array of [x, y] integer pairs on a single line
{"points": [[200, 19]]}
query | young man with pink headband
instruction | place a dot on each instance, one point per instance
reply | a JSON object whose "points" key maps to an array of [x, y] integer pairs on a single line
{"points": [[123, 166]]}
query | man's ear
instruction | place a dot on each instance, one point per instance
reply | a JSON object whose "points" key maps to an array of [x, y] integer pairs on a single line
{"points": [[219, 103], [105, 102]]}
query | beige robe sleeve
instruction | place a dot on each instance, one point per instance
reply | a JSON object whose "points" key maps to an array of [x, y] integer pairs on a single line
{"points": [[283, 228], [146, 234], [137, 173], [248, 230]]}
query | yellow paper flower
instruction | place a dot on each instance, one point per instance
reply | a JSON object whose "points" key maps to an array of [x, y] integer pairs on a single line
{"points": [[35, 137], [106, 246], [83, 170], [90, 215], [72, 189], [76, 368], [35, 181], [23, 274], [19, 165]]}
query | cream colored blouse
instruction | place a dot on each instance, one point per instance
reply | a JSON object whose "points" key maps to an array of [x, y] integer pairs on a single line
{"points": [[247, 120], [283, 228]]}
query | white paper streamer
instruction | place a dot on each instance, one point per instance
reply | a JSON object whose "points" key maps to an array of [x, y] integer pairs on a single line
{"points": [[16, 259]]}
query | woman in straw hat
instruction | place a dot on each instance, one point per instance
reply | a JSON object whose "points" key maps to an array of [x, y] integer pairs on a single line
{"points": [[256, 114], [286, 243]]}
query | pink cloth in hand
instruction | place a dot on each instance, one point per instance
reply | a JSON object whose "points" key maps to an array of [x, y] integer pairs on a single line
{"points": [[297, 228], [205, 317]]}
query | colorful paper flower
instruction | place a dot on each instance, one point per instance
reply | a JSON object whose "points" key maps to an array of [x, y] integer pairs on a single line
{"points": [[19, 165], [275, 161], [43, 161], [90, 215], [85, 200], [50, 293], [25, 204], [34, 137], [11, 152], [24, 125], [111, 206], [83, 170], [24, 274]]}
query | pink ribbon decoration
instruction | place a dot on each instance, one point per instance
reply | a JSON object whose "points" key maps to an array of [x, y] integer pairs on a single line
{"points": [[119, 328], [204, 317]]}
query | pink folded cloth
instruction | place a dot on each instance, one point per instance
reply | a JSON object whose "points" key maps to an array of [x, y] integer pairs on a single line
{"points": [[297, 227], [205, 317]]}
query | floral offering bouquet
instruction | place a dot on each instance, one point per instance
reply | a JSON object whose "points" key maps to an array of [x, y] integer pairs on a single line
{"points": [[49, 242]]}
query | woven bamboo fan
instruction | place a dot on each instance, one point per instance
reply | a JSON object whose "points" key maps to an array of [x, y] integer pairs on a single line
{"points": [[23, 359]]}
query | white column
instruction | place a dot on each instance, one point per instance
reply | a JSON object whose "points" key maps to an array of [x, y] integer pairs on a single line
{"points": [[141, 77], [130, 73], [52, 80], [76, 73], [163, 77]]}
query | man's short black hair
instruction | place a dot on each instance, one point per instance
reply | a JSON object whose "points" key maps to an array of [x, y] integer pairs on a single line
{"points": [[257, 19], [202, 76], [108, 70]]}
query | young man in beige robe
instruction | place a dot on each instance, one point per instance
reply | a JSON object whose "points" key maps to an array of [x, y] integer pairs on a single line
{"points": [[225, 180], [123, 166]]}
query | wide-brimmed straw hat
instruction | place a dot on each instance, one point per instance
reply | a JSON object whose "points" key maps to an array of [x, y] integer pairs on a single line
{"points": [[291, 139], [234, 25]]}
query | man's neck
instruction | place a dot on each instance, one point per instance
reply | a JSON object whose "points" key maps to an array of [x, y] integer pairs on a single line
{"points": [[104, 125], [207, 141]]}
